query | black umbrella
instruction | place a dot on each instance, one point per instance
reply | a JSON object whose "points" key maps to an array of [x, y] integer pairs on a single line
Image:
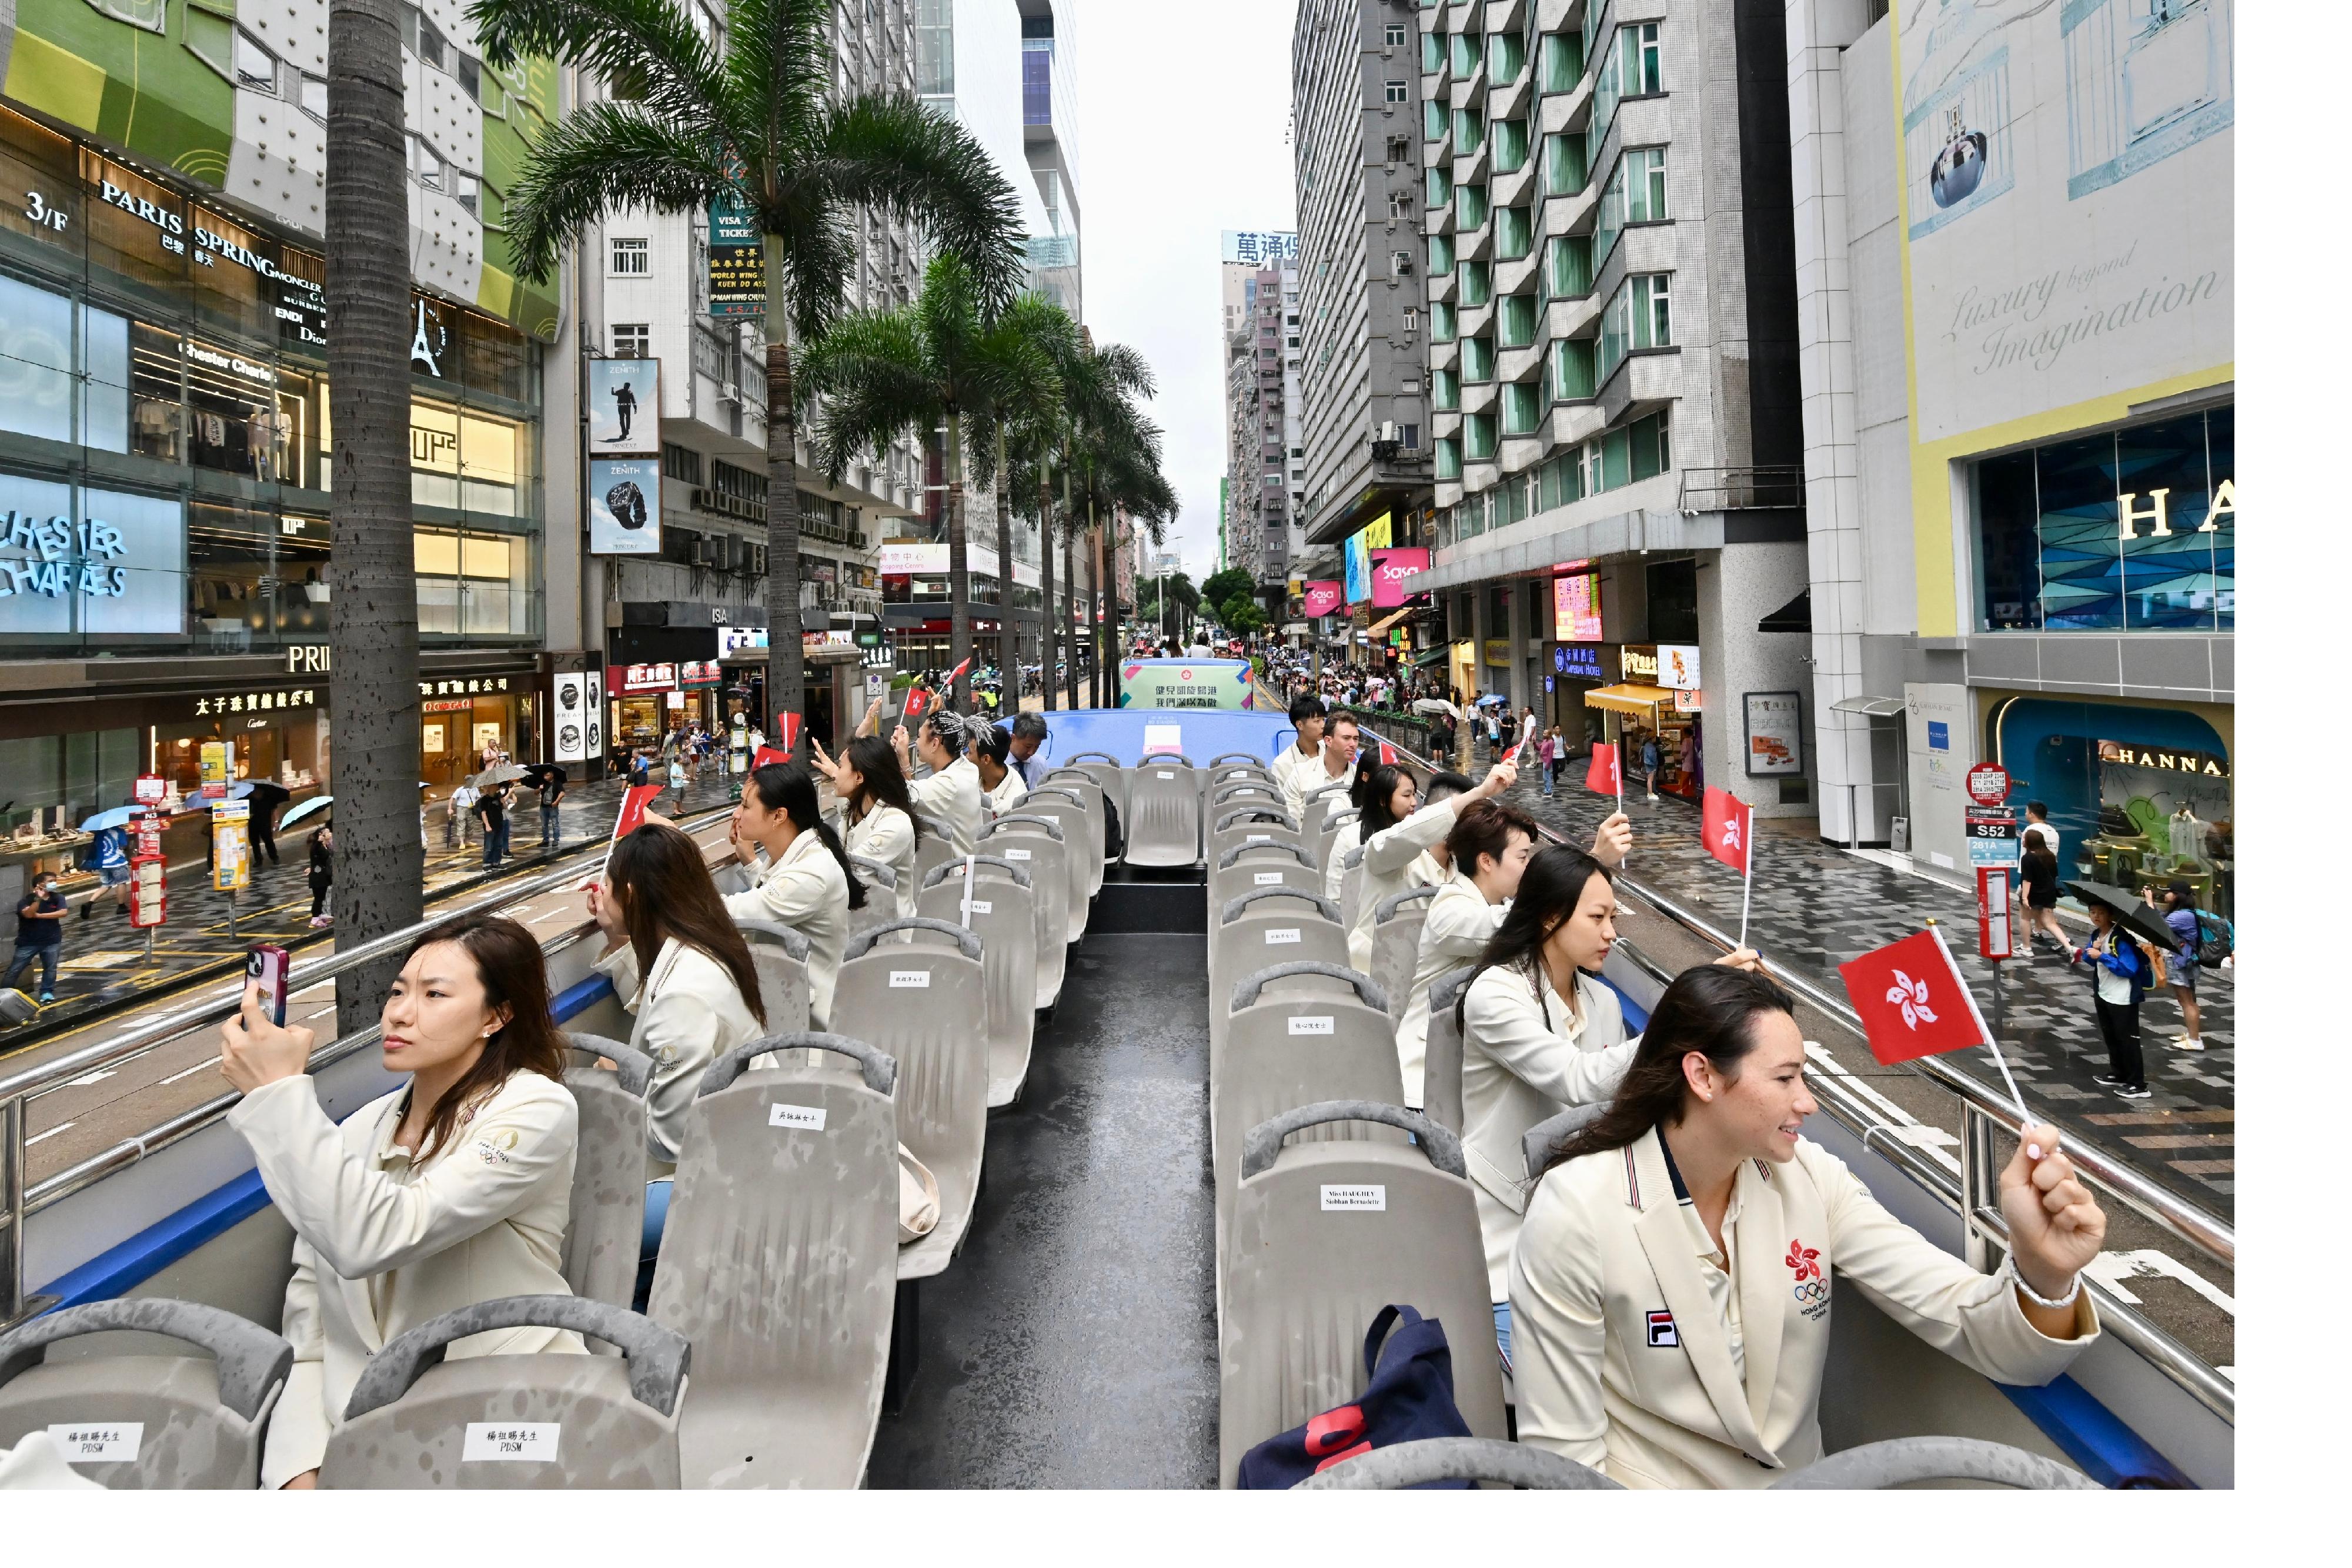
{"points": [[537, 770], [2142, 919]]}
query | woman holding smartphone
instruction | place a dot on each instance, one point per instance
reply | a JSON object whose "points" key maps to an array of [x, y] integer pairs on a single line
{"points": [[452, 1189]]}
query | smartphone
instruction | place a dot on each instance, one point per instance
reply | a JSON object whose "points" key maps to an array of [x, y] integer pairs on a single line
{"points": [[265, 966]]}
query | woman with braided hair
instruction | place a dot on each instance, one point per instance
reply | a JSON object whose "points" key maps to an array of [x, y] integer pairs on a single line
{"points": [[951, 792]]}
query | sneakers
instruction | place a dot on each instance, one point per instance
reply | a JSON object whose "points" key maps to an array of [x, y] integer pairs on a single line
{"points": [[2107, 1081], [2133, 1092], [48, 998], [2188, 1042]]}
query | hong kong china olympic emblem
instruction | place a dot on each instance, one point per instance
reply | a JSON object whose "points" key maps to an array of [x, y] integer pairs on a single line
{"points": [[1813, 1287]]}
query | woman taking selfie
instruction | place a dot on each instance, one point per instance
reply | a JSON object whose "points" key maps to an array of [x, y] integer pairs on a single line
{"points": [[951, 792], [679, 965], [453, 1189], [1398, 832], [791, 870], [1673, 1286], [879, 813]]}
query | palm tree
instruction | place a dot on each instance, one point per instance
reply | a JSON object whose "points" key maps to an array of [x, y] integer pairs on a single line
{"points": [[371, 687], [1002, 443], [750, 120], [1120, 463], [1100, 387], [939, 362]]}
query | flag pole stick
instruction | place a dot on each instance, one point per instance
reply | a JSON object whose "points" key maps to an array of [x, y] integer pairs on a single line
{"points": [[1618, 767], [1747, 879]]}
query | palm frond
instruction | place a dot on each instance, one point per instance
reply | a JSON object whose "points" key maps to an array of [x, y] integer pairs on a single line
{"points": [[888, 152], [601, 157], [651, 46], [779, 72], [875, 373]]}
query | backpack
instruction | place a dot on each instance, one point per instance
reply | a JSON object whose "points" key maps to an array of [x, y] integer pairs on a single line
{"points": [[2216, 939], [1408, 1395]]}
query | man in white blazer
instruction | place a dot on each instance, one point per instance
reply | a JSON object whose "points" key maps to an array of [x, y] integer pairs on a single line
{"points": [[1294, 770], [1672, 1287]]}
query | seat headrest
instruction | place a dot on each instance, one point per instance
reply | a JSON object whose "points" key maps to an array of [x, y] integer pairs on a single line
{"points": [[862, 943], [1245, 992], [1541, 1144], [1239, 904], [1396, 901], [1158, 758], [1266, 846], [249, 1361], [1427, 1459], [1264, 1140], [1220, 761], [1104, 756], [1353, 858], [876, 874], [1444, 990], [946, 868], [1053, 829], [657, 1357], [636, 1068], [879, 1069], [1265, 813], [794, 943]]}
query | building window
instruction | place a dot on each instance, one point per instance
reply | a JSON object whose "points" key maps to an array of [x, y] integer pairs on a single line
{"points": [[1399, 205], [1398, 93], [1478, 360], [633, 340], [1507, 53], [1638, 64], [1441, 255], [1444, 390], [1639, 317], [1393, 35], [1466, 56], [1449, 458], [1510, 146], [1432, 53], [1516, 321], [1563, 62], [1410, 320], [1433, 120], [1477, 284], [1564, 168], [1441, 321], [1515, 233], [1571, 370], [1441, 188], [1478, 438], [1522, 407], [1469, 206], [1568, 267], [1469, 131], [631, 257], [1645, 185]]}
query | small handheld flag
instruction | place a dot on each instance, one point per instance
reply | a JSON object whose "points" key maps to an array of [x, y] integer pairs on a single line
{"points": [[1731, 837], [1603, 775], [1914, 1003], [633, 810], [768, 754], [788, 732]]}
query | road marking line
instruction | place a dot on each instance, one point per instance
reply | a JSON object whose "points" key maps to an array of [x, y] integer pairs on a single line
{"points": [[52, 1133], [190, 1073], [2111, 1268], [87, 1079]]}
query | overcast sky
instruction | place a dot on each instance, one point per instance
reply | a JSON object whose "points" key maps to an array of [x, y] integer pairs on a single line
{"points": [[1182, 117]]}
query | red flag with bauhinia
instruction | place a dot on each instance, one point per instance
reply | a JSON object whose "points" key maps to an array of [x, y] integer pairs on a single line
{"points": [[1726, 828], [915, 696], [1388, 755], [633, 810], [955, 675], [788, 732], [766, 755], [1604, 775], [1912, 999]]}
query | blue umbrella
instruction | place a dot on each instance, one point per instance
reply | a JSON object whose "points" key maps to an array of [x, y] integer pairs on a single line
{"points": [[1491, 700], [114, 818], [315, 804]]}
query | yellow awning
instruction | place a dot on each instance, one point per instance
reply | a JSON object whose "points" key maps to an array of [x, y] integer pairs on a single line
{"points": [[1385, 622], [1637, 700]]}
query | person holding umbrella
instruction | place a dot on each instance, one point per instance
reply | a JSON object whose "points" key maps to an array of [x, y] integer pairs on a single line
{"points": [[263, 798], [323, 875], [2123, 966]]}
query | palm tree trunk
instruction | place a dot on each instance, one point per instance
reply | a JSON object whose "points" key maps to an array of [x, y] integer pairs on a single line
{"points": [[1070, 601], [787, 669], [959, 568], [1100, 625], [1049, 625], [1008, 641], [372, 699]]}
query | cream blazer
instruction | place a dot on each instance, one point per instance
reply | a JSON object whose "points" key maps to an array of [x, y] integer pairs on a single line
{"points": [[687, 1014], [1396, 859], [885, 835], [1454, 933], [1346, 837], [1295, 774], [953, 796], [381, 1245], [805, 890], [1623, 1359], [1007, 796], [1525, 1059]]}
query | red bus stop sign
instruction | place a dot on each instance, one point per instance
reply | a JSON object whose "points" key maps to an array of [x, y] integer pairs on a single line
{"points": [[1987, 784]]}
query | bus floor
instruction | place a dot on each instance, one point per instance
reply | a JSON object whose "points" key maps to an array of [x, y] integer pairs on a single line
{"points": [[1073, 1341]]}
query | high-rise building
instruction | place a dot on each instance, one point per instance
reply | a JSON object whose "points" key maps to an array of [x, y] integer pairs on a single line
{"points": [[1264, 462], [1357, 107], [1049, 121], [701, 602], [2021, 500], [1620, 525]]}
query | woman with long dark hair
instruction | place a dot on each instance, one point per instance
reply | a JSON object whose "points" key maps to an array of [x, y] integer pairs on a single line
{"points": [[880, 820], [1398, 832], [1672, 1286], [951, 792], [452, 1189], [792, 870], [679, 963]]}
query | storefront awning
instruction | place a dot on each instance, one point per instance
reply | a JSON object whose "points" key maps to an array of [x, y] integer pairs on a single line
{"points": [[1638, 700], [1386, 622], [1870, 707], [1434, 656]]}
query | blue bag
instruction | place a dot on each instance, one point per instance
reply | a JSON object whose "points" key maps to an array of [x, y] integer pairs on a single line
{"points": [[1409, 1395]]}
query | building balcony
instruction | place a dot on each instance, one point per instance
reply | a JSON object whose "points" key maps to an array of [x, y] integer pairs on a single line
{"points": [[1572, 215]]}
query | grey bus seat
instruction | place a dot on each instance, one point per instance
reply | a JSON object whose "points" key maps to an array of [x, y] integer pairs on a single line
{"points": [[1905, 1461], [602, 1244], [1038, 845], [917, 1003], [936, 848], [781, 956], [1246, 758], [1542, 1143], [881, 894], [516, 1423], [1318, 803], [1507, 1466], [1329, 839], [1396, 943], [780, 1265], [167, 1423], [1264, 926], [1288, 1047], [1228, 793], [1163, 824], [1323, 1236], [1257, 822], [1351, 885], [1441, 1072], [1064, 809], [1110, 775], [1089, 791], [1268, 863], [1002, 915]]}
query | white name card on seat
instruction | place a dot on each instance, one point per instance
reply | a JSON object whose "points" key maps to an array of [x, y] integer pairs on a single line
{"points": [[1281, 933], [1161, 773], [528, 1441], [98, 1442], [981, 906], [1363, 1199], [1260, 838], [808, 1118], [904, 980], [1323, 1023], [1267, 879], [1018, 855]]}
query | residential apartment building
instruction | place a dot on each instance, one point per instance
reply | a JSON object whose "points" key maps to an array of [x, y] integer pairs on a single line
{"points": [[2021, 494], [1265, 456], [684, 633], [1618, 520], [1358, 107]]}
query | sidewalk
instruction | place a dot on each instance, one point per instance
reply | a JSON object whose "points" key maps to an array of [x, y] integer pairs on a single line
{"points": [[105, 960], [1817, 905]]}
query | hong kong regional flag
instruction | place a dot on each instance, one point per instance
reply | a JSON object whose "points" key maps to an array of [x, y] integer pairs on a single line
{"points": [[1912, 999], [1726, 828], [633, 810], [1602, 775]]}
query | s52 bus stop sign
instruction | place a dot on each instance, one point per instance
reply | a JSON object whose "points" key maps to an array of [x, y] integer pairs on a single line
{"points": [[1987, 784]]}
